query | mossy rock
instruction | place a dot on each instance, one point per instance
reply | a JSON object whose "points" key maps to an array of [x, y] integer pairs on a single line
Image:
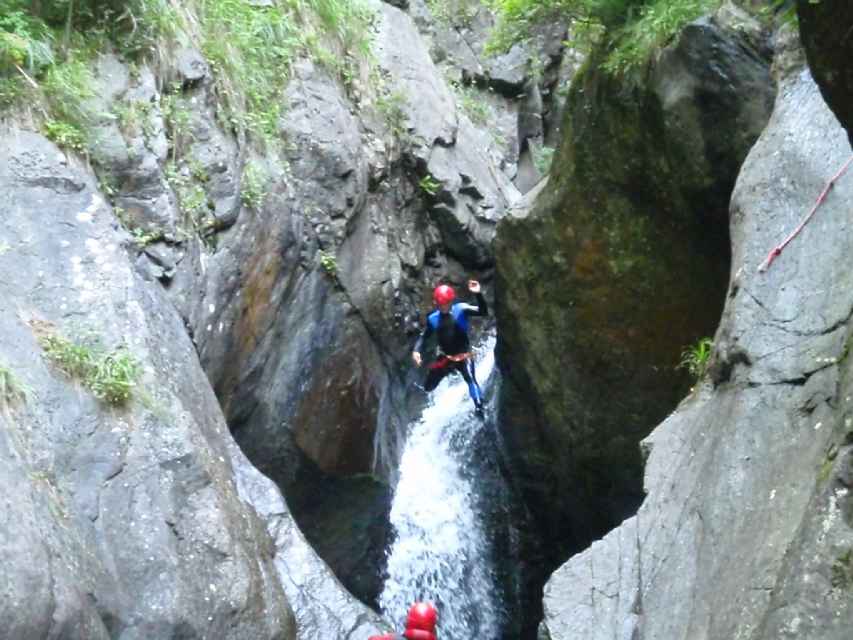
{"points": [[622, 261]]}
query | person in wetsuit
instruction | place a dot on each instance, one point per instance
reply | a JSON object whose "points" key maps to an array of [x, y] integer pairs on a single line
{"points": [[420, 624], [450, 324]]}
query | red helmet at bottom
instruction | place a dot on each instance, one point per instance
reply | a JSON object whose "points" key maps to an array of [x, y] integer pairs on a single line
{"points": [[443, 294], [423, 616]]}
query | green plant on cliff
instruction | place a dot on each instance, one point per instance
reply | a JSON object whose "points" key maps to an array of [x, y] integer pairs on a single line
{"points": [[253, 186], [429, 185], [187, 179], [842, 571], [114, 377], [630, 30], [391, 106], [111, 376], [249, 46], [12, 390], [67, 89], [329, 263], [46, 49], [472, 103], [783, 10], [65, 135], [695, 358], [657, 23], [542, 159], [25, 41], [453, 13], [177, 118]]}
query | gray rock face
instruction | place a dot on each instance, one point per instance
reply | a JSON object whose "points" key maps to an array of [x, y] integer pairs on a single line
{"points": [[120, 523], [715, 79], [131, 147], [521, 84], [323, 608], [746, 529], [431, 108]]}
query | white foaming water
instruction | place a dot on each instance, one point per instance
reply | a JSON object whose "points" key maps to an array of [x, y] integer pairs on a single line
{"points": [[440, 553]]}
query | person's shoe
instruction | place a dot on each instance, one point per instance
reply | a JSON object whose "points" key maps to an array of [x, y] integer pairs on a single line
{"points": [[479, 411]]}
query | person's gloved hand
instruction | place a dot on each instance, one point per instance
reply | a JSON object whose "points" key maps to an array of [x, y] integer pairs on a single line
{"points": [[417, 358]]}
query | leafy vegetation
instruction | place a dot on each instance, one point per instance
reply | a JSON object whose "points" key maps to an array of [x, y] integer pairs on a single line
{"points": [[542, 158], [429, 185], [329, 263], [142, 236], [187, 181], [46, 48], [453, 12], [784, 10], [65, 135], [253, 186], [12, 390], [629, 30], [390, 106], [842, 571], [696, 358], [110, 376], [472, 103], [177, 117]]}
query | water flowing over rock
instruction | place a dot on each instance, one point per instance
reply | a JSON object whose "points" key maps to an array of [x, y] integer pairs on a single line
{"points": [[618, 263], [747, 531]]}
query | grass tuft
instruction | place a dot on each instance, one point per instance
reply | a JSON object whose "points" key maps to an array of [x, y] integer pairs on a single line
{"points": [[12, 390], [110, 376], [46, 47], [696, 358], [429, 185], [630, 30], [253, 186], [329, 263]]}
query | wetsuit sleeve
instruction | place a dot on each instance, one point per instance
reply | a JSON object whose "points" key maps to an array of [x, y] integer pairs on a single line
{"points": [[482, 308], [419, 345]]}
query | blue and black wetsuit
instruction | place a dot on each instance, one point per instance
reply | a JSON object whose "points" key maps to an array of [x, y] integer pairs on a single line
{"points": [[451, 329]]}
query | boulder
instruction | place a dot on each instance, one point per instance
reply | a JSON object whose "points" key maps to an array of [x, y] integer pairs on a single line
{"points": [[746, 528], [123, 521], [619, 264]]}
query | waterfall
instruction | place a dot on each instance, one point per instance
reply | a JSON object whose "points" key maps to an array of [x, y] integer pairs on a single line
{"points": [[441, 551]]}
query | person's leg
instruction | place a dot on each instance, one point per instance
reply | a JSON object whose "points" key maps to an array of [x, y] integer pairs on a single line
{"points": [[434, 376], [466, 368]]}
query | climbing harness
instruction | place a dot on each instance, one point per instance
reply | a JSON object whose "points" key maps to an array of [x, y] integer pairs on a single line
{"points": [[775, 251], [444, 360]]}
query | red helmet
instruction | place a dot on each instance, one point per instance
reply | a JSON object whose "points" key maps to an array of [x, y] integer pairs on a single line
{"points": [[422, 615], [443, 294]]}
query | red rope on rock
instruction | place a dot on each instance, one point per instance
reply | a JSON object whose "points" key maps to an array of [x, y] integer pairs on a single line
{"points": [[775, 251]]}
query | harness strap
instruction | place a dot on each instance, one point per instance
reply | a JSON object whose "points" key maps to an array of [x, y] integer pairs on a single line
{"points": [[445, 360]]}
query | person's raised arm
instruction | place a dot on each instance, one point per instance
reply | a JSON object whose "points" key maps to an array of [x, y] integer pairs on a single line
{"points": [[482, 308]]}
